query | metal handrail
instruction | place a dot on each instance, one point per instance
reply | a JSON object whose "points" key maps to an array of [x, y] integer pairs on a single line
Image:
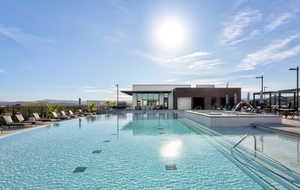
{"points": [[241, 140], [262, 165]]}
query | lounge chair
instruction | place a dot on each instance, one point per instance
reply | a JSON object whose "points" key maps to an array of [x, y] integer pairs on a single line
{"points": [[80, 113], [21, 119], [43, 120], [64, 115], [9, 122], [57, 117], [71, 114], [54, 114], [38, 118]]}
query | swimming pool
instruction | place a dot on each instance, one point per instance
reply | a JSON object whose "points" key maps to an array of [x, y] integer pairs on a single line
{"points": [[142, 150]]}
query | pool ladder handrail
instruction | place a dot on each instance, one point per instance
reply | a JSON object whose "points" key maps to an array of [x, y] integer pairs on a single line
{"points": [[241, 140], [266, 157]]}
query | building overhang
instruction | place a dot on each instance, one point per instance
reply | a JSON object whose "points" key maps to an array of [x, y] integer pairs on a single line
{"points": [[130, 92]]}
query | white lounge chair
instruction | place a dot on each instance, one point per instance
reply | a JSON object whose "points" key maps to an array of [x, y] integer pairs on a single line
{"points": [[38, 118], [9, 122], [54, 114], [21, 119], [71, 114], [64, 115]]}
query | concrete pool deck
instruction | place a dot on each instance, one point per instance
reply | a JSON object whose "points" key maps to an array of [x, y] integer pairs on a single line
{"points": [[287, 126], [214, 118], [13, 130], [275, 123]]}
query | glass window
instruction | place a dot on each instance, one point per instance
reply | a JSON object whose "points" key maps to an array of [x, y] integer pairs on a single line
{"points": [[147, 99], [145, 96], [231, 100], [138, 97], [213, 101], [150, 96], [223, 101]]}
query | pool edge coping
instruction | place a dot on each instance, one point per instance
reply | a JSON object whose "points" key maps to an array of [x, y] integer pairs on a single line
{"points": [[32, 128]]}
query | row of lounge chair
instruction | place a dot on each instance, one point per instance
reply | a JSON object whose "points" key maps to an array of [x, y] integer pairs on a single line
{"points": [[8, 121], [20, 121]]}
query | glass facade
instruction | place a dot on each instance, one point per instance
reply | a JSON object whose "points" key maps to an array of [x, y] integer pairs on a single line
{"points": [[152, 100]]}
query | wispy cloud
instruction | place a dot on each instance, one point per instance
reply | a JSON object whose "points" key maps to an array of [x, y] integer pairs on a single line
{"points": [[21, 37], [232, 80], [238, 3], [120, 6], [170, 81], [280, 20], [215, 81], [248, 37], [272, 53], [234, 29], [1, 71], [187, 64]]}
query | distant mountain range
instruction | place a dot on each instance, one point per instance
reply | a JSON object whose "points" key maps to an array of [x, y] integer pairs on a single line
{"points": [[48, 101], [62, 102]]}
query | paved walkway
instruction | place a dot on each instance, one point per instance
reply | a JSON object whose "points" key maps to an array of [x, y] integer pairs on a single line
{"points": [[7, 131], [287, 126]]}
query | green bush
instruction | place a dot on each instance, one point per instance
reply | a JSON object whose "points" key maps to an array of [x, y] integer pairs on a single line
{"points": [[91, 108], [2, 110]]}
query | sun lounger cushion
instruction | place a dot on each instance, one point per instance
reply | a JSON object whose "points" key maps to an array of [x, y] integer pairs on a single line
{"points": [[7, 119], [36, 116], [54, 114], [20, 117], [63, 113]]}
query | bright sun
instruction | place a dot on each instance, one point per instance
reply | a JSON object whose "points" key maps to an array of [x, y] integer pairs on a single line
{"points": [[170, 34]]}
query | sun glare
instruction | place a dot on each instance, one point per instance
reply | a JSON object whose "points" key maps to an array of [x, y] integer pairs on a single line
{"points": [[172, 149], [170, 34]]}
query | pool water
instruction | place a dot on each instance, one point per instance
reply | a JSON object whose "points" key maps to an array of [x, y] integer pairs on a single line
{"points": [[155, 150]]}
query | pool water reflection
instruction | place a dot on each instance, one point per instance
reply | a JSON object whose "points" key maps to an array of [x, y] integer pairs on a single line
{"points": [[141, 150]]}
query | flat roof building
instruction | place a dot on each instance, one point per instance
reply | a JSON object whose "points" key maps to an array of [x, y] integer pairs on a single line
{"points": [[182, 97]]}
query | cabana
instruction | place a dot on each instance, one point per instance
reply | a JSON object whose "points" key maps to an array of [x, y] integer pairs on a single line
{"points": [[281, 99]]}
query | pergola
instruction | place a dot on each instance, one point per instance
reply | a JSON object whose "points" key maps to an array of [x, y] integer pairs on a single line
{"points": [[277, 97]]}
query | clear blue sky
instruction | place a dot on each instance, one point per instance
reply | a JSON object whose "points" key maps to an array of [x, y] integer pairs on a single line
{"points": [[63, 49]]}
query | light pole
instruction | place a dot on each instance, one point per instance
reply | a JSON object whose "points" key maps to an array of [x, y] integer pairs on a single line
{"points": [[262, 87], [265, 87], [297, 89], [117, 85]]}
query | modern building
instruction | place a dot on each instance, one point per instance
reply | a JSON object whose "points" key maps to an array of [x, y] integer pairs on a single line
{"points": [[182, 97]]}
